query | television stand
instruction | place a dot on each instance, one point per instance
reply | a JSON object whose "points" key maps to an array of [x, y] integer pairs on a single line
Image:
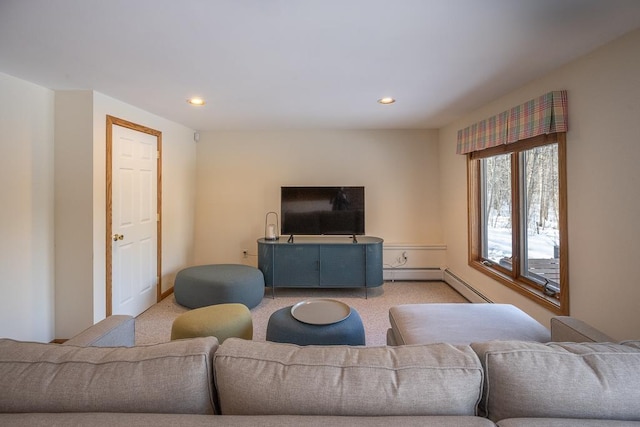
{"points": [[290, 240], [321, 262]]}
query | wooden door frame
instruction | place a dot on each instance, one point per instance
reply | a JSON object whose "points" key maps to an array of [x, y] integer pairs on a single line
{"points": [[114, 121]]}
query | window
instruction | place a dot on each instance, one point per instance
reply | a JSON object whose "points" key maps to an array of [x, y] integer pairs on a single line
{"points": [[518, 218]]}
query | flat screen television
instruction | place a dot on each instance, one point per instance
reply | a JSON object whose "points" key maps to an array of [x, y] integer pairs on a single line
{"points": [[322, 210]]}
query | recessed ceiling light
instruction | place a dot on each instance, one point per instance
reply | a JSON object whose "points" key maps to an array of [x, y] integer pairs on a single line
{"points": [[386, 100], [196, 101]]}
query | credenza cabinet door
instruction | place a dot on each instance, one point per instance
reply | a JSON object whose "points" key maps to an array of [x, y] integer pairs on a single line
{"points": [[297, 265], [341, 266]]}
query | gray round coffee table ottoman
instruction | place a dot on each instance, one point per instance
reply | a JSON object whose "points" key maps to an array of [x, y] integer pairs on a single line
{"points": [[204, 285], [285, 328]]}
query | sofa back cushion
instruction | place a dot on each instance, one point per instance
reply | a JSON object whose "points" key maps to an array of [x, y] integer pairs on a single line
{"points": [[264, 378], [561, 380], [174, 377]]}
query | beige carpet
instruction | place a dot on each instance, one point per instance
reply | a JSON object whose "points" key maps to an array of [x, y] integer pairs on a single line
{"points": [[154, 325]]}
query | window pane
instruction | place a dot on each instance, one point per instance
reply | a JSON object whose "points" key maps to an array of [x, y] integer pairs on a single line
{"points": [[496, 212], [541, 215]]}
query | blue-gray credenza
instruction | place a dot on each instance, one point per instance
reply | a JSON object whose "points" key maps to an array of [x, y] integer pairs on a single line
{"points": [[324, 262]]}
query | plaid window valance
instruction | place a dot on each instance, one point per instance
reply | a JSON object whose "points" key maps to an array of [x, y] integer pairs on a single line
{"points": [[542, 115]]}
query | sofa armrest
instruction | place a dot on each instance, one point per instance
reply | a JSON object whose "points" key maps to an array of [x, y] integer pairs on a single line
{"points": [[570, 329], [114, 331]]}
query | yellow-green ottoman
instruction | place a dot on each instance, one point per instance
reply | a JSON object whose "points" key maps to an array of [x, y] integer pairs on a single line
{"points": [[221, 321]]}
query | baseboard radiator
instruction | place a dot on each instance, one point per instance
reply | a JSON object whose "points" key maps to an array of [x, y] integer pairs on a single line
{"points": [[463, 288], [413, 261], [401, 274]]}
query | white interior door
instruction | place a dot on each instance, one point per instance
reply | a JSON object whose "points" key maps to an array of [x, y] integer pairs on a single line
{"points": [[134, 220]]}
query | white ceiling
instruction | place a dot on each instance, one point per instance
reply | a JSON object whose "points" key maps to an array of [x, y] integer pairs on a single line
{"points": [[287, 64]]}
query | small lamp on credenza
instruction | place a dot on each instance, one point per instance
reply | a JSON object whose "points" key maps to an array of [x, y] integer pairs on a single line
{"points": [[271, 231]]}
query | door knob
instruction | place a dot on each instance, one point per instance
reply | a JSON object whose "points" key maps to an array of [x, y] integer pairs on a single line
{"points": [[117, 237]]}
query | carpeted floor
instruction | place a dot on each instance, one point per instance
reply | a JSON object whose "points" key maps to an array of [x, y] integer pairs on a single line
{"points": [[154, 325]]}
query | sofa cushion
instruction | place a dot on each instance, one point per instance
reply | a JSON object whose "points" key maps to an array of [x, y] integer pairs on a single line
{"points": [[173, 377], [563, 380], [633, 343], [261, 378]]}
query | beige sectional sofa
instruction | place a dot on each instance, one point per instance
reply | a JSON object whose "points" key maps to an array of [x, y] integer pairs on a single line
{"points": [[197, 382]]}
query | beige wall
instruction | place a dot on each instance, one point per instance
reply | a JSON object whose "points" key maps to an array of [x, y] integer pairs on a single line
{"points": [[603, 180], [73, 211], [240, 175], [26, 212]]}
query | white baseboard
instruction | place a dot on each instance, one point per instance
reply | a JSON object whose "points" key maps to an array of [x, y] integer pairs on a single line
{"points": [[463, 288], [393, 274]]}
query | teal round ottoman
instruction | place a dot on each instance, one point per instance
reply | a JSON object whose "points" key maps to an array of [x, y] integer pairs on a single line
{"points": [[204, 285], [283, 327]]}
